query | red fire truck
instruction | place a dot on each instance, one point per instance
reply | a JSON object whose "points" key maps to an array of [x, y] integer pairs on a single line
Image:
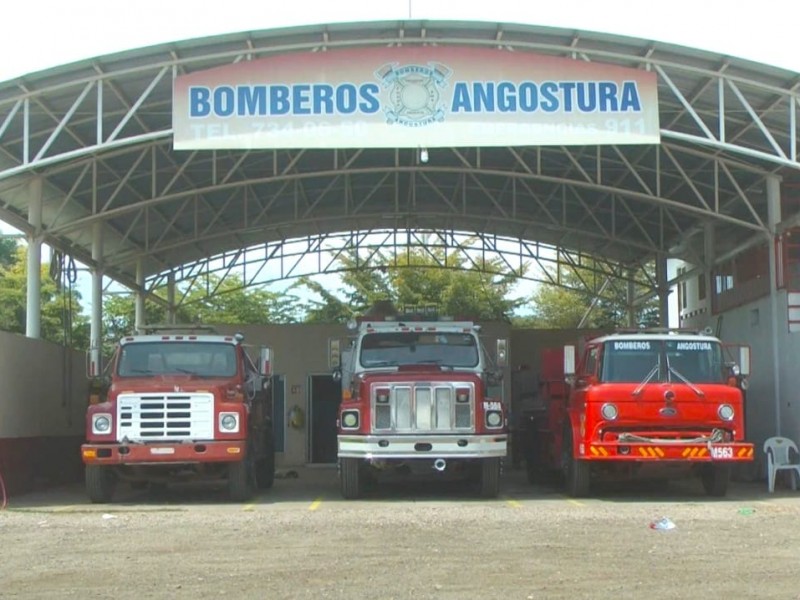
{"points": [[643, 402], [180, 404], [415, 399]]}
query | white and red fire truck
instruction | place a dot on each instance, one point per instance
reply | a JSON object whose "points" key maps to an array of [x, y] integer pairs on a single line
{"points": [[179, 404], [415, 399], [647, 402]]}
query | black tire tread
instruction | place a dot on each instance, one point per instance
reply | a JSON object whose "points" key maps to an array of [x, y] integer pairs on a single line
{"points": [[351, 480], [100, 484]]}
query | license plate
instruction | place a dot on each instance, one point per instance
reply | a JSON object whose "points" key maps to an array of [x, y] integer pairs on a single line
{"points": [[162, 450], [723, 452]]}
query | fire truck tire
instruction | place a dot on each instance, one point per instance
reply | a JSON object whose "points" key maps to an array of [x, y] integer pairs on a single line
{"points": [[240, 480], [715, 479], [351, 480], [100, 483], [490, 477], [577, 473]]}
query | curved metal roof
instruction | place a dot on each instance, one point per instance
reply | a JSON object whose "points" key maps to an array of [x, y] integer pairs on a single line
{"points": [[97, 133]]}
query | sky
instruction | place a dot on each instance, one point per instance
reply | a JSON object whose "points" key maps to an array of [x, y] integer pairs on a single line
{"points": [[40, 34]]}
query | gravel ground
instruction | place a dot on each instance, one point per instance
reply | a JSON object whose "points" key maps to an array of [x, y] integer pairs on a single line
{"points": [[429, 540]]}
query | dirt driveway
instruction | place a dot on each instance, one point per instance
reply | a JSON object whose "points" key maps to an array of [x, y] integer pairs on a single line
{"points": [[424, 541]]}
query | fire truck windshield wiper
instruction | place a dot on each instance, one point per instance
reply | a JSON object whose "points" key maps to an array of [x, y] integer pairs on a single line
{"points": [[646, 380], [434, 361], [381, 363], [695, 389]]}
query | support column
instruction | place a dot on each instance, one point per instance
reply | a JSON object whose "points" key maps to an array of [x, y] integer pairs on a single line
{"points": [[171, 309], [774, 217], [630, 299], [33, 309], [140, 317], [96, 323], [663, 290], [709, 256]]}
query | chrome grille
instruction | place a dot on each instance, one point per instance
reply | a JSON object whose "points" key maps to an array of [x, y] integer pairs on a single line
{"points": [[159, 417], [411, 408]]}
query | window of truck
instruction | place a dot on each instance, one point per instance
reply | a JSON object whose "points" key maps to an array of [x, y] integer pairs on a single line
{"points": [[637, 361], [203, 359], [393, 349]]}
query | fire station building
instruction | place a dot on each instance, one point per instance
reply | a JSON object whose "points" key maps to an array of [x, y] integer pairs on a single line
{"points": [[263, 155]]}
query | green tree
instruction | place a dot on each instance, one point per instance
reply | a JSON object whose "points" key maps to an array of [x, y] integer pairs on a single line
{"points": [[8, 251], [427, 276], [62, 320], [220, 301], [228, 301], [565, 305]]}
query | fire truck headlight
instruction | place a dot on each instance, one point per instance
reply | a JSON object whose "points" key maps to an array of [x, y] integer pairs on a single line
{"points": [[494, 418], [229, 422], [101, 423], [350, 419], [725, 412], [609, 411]]}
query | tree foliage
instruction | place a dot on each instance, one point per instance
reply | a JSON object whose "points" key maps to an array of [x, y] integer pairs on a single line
{"points": [[579, 296], [425, 276], [62, 318], [215, 300]]}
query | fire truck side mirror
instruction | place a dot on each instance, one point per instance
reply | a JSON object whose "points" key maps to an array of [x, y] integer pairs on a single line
{"points": [[744, 361], [265, 362], [334, 354], [569, 361], [502, 353]]}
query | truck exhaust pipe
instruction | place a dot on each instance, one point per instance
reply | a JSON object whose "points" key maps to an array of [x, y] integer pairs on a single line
{"points": [[440, 464]]}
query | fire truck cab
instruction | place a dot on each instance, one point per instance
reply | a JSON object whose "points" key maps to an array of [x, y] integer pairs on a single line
{"points": [[179, 404], [649, 402], [415, 399]]}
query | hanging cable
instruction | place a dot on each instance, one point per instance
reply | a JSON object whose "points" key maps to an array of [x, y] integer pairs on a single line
{"points": [[3, 491]]}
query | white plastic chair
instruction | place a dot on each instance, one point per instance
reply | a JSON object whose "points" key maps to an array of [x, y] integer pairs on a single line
{"points": [[778, 459]]}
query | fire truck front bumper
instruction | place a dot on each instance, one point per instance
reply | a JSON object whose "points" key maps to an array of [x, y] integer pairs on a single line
{"points": [[163, 453], [690, 452], [434, 446]]}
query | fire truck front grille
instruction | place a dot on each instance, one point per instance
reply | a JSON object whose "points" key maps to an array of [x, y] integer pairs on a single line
{"points": [[439, 407], [159, 417]]}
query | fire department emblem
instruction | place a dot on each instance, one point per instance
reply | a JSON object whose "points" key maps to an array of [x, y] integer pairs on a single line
{"points": [[414, 93]]}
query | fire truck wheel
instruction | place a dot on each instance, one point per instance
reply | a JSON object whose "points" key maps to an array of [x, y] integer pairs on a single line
{"points": [[240, 480], [490, 477], [577, 472], [100, 483], [715, 479], [350, 475]]}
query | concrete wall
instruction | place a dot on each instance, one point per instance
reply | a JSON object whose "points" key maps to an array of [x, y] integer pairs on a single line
{"points": [[43, 399], [767, 415]]}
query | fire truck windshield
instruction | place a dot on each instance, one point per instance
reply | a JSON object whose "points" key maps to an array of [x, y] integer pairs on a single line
{"points": [[675, 360], [203, 359], [392, 349]]}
